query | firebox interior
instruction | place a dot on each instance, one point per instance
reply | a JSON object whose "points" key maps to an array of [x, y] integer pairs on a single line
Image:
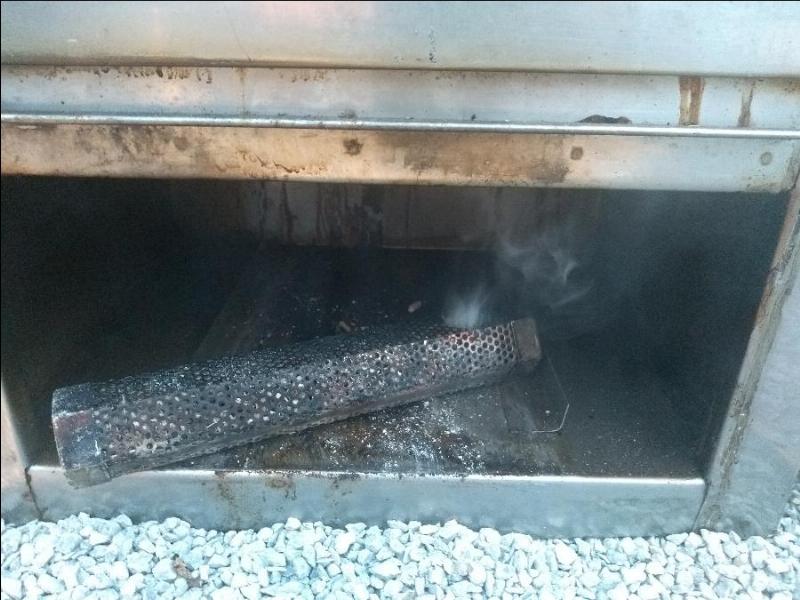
{"points": [[644, 303]]}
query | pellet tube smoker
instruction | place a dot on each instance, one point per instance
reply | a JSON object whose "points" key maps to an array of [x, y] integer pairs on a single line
{"points": [[108, 429]]}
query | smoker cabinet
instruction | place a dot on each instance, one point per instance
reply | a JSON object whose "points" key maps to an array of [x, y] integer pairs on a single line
{"points": [[183, 182]]}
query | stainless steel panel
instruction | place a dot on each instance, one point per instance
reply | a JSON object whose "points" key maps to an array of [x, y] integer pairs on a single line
{"points": [[742, 38], [401, 99], [578, 161], [757, 457], [556, 506], [17, 501]]}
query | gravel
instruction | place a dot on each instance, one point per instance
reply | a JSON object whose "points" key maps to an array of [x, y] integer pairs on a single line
{"points": [[85, 557]]}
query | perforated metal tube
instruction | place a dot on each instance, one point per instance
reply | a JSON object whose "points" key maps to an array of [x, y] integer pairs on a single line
{"points": [[103, 430]]}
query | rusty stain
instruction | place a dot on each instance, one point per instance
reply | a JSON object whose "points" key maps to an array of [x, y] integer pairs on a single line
{"points": [[155, 142], [224, 490], [352, 146], [450, 155], [747, 101], [136, 141], [181, 143], [284, 483], [691, 97], [158, 151]]}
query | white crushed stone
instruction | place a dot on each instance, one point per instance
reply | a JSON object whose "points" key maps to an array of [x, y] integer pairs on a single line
{"points": [[85, 557]]}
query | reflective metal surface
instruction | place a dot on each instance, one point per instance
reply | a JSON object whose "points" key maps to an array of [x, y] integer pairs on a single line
{"points": [[757, 458], [404, 126], [403, 100], [576, 161], [741, 38], [557, 506]]}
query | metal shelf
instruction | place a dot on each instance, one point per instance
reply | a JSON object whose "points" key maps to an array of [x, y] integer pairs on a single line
{"points": [[403, 126]]}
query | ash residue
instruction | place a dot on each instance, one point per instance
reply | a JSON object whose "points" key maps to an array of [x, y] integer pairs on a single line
{"points": [[427, 437]]}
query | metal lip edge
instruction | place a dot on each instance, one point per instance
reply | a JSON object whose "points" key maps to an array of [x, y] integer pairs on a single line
{"points": [[243, 475], [12, 59], [409, 125]]}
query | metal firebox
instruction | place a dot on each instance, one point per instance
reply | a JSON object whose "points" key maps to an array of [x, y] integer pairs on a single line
{"points": [[309, 170]]}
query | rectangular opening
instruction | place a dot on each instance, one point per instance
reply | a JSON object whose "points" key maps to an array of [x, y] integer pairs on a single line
{"points": [[644, 303]]}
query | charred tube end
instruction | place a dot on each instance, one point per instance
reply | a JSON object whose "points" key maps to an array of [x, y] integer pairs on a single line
{"points": [[527, 342], [78, 439]]}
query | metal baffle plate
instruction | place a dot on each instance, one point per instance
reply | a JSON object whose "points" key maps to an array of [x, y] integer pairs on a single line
{"points": [[104, 430]]}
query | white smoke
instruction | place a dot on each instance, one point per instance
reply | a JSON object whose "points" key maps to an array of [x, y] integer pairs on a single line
{"points": [[537, 274], [548, 265], [467, 310]]}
